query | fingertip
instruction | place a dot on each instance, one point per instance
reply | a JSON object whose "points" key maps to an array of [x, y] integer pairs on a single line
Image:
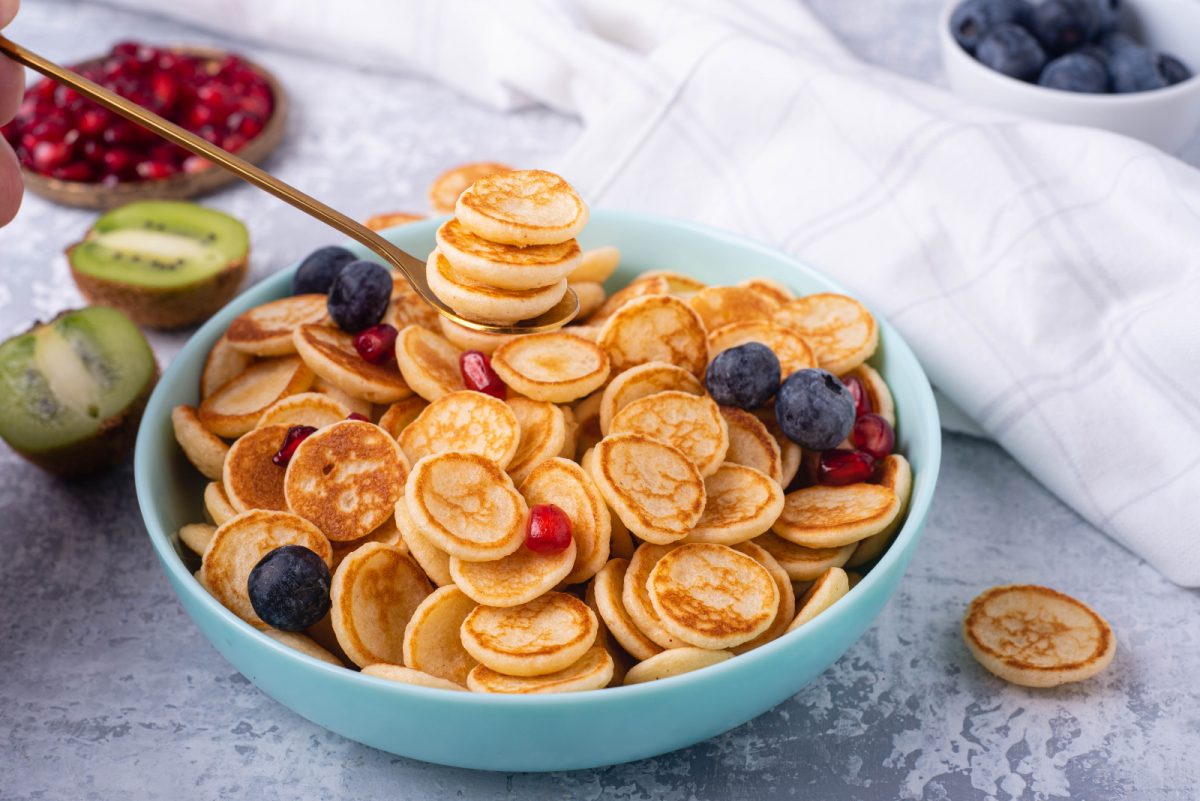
{"points": [[11, 187], [8, 10]]}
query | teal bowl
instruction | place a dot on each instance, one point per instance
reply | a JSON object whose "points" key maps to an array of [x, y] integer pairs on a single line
{"points": [[541, 732]]}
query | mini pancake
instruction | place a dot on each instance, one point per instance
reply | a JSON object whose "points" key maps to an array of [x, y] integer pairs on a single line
{"points": [[793, 351], [515, 579], [828, 588], [216, 503], [345, 478], [678, 284], [641, 381], [250, 479], [803, 564], [895, 474], [607, 588], [587, 418], [203, 449], [375, 592], [773, 292], [786, 610], [674, 662], [740, 504], [553, 366], [543, 636], [391, 219], [543, 434], [722, 305], [691, 423], [235, 407], [387, 533], [467, 339], [428, 362], [407, 308], [877, 392], [522, 207], [466, 422], [363, 407], [593, 671], [597, 264], [197, 536], [322, 634], [305, 409], [331, 354], [406, 675], [635, 595], [839, 329], [621, 546], [658, 328], [571, 437], [486, 303], [829, 517], [432, 642], [622, 661], [654, 488], [432, 559], [266, 330], [304, 644], [466, 506], [751, 444], [1037, 637], [239, 545], [445, 189], [223, 362], [712, 596], [790, 454], [480, 261], [591, 296], [401, 414], [566, 485], [638, 288]]}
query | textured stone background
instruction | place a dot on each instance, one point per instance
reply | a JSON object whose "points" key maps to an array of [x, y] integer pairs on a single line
{"points": [[107, 691]]}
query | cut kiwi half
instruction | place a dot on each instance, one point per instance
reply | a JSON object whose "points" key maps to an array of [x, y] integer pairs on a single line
{"points": [[165, 263], [72, 390]]}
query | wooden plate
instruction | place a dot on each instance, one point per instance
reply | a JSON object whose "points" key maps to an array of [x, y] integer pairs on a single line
{"points": [[176, 187]]}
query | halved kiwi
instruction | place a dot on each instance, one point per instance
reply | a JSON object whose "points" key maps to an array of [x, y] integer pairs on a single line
{"points": [[165, 263], [72, 390]]}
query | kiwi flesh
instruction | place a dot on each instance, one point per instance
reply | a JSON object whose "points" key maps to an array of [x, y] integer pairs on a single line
{"points": [[165, 263], [72, 390]]}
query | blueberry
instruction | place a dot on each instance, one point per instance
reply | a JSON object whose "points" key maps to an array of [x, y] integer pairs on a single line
{"points": [[359, 296], [1012, 50], [1096, 51], [1109, 12], [1075, 72], [1172, 69], [316, 273], [1112, 42], [745, 376], [1061, 25], [1135, 69], [289, 588], [974, 18], [815, 409]]}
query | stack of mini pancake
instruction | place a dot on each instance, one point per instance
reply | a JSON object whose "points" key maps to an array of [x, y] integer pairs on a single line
{"points": [[506, 254]]}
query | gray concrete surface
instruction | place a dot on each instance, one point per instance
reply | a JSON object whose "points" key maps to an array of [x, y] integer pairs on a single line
{"points": [[107, 691]]}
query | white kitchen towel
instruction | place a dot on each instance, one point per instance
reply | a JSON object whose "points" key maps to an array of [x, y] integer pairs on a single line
{"points": [[1047, 276]]}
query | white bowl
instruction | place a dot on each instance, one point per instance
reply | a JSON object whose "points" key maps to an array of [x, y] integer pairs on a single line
{"points": [[1164, 117]]}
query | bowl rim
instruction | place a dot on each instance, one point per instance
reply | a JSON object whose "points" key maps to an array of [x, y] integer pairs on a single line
{"points": [[952, 49], [916, 513]]}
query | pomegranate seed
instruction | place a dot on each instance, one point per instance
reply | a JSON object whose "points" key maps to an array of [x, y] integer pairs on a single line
{"points": [[164, 89], [76, 171], [858, 391], [119, 161], [93, 121], [873, 434], [233, 142], [295, 435], [44, 90], [126, 48], [376, 344], [478, 374], [844, 467], [195, 164], [548, 530], [48, 155], [245, 124], [199, 116], [155, 170], [362, 418]]}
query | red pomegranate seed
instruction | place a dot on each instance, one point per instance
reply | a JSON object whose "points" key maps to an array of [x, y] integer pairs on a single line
{"points": [[362, 418], [245, 124], [295, 435], [233, 142], [858, 391], [79, 171], [93, 121], [873, 434], [119, 162], [478, 374], [126, 48], [195, 164], [376, 344], [164, 89], [548, 530], [48, 155], [155, 170], [844, 467]]}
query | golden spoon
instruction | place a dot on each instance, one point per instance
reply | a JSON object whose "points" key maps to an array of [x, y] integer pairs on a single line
{"points": [[412, 268]]}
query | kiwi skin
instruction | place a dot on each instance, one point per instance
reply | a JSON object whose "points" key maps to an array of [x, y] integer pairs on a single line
{"points": [[177, 307]]}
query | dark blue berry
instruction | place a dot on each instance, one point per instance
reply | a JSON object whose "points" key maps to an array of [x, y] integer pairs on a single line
{"points": [[745, 376], [1112, 42], [1075, 72], [1012, 50], [360, 295], [1135, 69], [1096, 51], [1061, 25], [289, 588], [1109, 12], [974, 18], [316, 273], [1172, 69], [815, 409]]}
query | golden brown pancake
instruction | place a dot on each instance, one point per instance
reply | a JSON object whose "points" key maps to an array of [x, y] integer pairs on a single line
{"points": [[432, 642], [840, 330], [522, 207], [331, 354], [445, 189], [567, 486], [494, 264], [250, 479], [751, 444], [543, 434], [803, 564], [223, 362], [375, 592], [789, 346], [536, 638], [638, 288], [205, 450], [391, 219], [674, 662], [740, 504], [642, 381], [691, 423], [722, 305], [592, 671], [824, 592], [485, 303], [234, 408], [654, 488], [266, 330], [428, 362], [314, 409], [656, 328], [401, 413], [829, 517], [553, 366], [606, 588], [465, 422]]}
